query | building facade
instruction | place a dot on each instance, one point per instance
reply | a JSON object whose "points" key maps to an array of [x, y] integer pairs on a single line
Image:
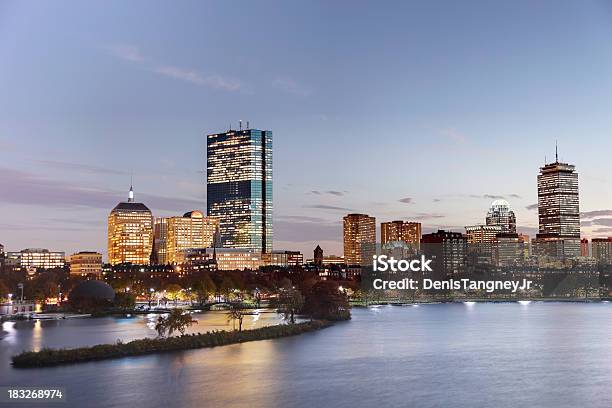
{"points": [[480, 239], [502, 215], [584, 247], [86, 263], [176, 234], [404, 231], [359, 238], [448, 251], [32, 259], [558, 211], [239, 187], [130, 233], [602, 250]]}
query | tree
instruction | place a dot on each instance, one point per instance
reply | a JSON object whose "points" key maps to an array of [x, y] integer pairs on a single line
{"points": [[226, 287], [326, 301], [290, 302], [204, 288], [237, 311], [175, 321], [174, 292], [125, 300]]}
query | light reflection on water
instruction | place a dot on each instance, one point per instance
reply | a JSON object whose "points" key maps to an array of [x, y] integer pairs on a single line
{"points": [[441, 355]]}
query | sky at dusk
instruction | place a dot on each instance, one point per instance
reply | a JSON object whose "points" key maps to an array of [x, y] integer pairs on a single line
{"points": [[423, 111]]}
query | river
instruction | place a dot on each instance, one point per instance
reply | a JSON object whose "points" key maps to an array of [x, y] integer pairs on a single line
{"points": [[435, 355]]}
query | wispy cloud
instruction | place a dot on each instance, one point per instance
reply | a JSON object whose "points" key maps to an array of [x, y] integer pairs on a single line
{"points": [[495, 196], [212, 81], [289, 85], [427, 216], [87, 168], [132, 53], [331, 192], [327, 207], [532, 206], [596, 213], [30, 189], [405, 200], [126, 52]]}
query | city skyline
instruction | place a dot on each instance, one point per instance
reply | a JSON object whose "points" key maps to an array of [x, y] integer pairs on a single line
{"points": [[143, 99]]}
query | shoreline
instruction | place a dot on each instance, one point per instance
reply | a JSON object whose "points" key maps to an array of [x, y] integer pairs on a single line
{"points": [[53, 357]]}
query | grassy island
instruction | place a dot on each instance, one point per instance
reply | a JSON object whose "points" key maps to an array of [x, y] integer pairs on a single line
{"points": [[49, 357]]}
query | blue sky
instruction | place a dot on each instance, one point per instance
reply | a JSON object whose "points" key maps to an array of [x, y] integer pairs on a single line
{"points": [[404, 110]]}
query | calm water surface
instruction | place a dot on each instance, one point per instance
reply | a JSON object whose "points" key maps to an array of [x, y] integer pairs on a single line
{"points": [[444, 355]]}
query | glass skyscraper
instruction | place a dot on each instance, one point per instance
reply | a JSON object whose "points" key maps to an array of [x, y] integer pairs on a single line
{"points": [[239, 187]]}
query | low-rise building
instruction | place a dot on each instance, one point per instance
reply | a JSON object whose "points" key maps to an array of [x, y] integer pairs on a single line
{"points": [[86, 263]]}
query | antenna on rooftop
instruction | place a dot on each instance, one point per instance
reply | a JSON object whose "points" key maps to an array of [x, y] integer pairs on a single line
{"points": [[556, 153], [240, 124]]}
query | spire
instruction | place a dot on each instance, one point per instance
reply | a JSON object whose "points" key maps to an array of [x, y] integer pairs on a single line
{"points": [[131, 195], [556, 153]]}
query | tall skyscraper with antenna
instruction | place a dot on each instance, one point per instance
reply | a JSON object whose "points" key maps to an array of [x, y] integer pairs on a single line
{"points": [[239, 187], [130, 232], [558, 210]]}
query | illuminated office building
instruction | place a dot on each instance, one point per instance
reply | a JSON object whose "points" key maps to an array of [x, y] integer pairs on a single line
{"points": [[32, 259], [175, 234], [359, 238], [501, 214], [558, 211], [407, 232], [86, 263], [239, 187], [130, 233]]}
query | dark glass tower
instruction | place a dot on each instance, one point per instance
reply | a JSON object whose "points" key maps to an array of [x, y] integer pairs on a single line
{"points": [[239, 187]]}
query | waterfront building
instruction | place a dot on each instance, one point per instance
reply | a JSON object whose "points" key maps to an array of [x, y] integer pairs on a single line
{"points": [[508, 249], [448, 251], [584, 247], [176, 234], [86, 263], [602, 250], [480, 240], [404, 231], [500, 214], [558, 211], [32, 259], [130, 233], [359, 238], [239, 187]]}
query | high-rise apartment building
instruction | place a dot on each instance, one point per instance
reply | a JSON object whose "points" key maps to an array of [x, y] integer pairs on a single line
{"points": [[558, 211], [173, 235], [448, 251], [130, 233], [480, 240], [502, 215], [602, 250], [407, 232], [359, 238], [239, 187]]}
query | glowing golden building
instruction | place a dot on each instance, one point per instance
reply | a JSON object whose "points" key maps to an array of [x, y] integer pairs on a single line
{"points": [[174, 235], [408, 232], [359, 238], [130, 233]]}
